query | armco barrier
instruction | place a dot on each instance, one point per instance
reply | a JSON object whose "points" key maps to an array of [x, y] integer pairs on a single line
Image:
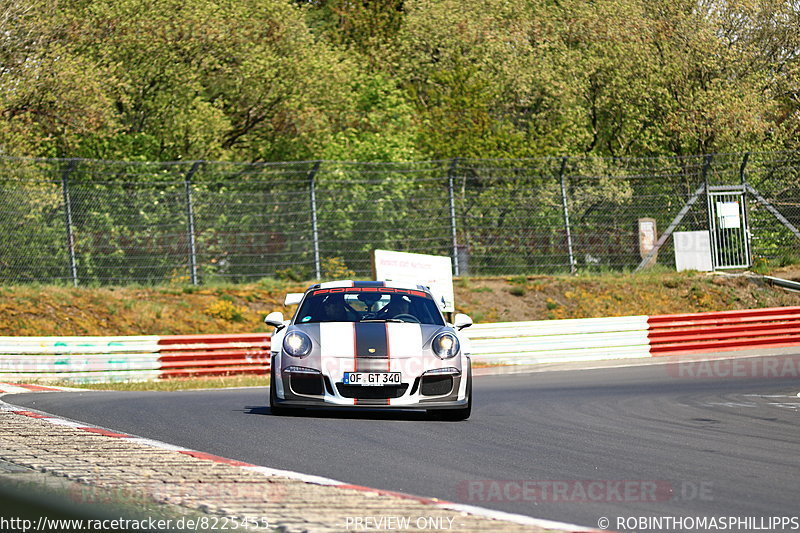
{"points": [[79, 359], [724, 331], [103, 359], [206, 355], [548, 341]]}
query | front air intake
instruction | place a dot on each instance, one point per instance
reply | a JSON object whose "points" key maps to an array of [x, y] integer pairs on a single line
{"points": [[436, 385], [306, 384]]}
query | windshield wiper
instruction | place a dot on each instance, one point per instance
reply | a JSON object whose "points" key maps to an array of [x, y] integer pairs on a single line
{"points": [[383, 320]]}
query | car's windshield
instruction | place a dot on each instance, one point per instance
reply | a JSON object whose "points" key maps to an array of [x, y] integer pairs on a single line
{"points": [[360, 304]]}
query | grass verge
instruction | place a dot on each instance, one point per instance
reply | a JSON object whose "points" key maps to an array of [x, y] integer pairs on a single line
{"points": [[169, 385]]}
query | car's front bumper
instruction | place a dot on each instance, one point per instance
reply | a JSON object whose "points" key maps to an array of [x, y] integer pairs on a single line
{"points": [[423, 391]]}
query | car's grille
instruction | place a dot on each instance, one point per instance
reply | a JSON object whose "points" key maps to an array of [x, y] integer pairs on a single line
{"points": [[371, 393], [309, 385], [436, 385]]}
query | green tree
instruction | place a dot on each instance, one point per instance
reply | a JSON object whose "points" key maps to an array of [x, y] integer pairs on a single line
{"points": [[49, 95], [364, 26], [379, 124], [451, 58], [396, 79], [711, 101], [216, 80]]}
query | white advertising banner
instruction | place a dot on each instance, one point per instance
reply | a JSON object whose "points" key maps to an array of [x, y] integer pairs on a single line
{"points": [[434, 271], [693, 251]]}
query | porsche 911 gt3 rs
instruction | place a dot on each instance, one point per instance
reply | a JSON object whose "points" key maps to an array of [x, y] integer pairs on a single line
{"points": [[367, 344]]}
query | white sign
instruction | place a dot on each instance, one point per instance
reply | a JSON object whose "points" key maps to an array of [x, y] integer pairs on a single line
{"points": [[647, 238], [692, 251], [728, 213], [436, 272]]}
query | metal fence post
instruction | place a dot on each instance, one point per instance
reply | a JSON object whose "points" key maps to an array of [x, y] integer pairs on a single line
{"points": [[747, 235], [73, 267], [190, 222], [709, 213], [314, 231], [453, 228], [565, 209], [742, 175]]}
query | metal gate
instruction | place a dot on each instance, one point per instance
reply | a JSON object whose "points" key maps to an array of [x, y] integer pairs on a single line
{"points": [[728, 229]]}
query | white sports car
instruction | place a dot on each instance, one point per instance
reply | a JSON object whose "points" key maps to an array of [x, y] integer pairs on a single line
{"points": [[370, 344]]}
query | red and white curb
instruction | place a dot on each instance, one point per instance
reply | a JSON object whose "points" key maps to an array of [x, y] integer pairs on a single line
{"points": [[18, 388], [272, 472]]}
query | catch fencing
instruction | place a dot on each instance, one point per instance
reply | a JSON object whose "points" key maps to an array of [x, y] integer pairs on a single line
{"points": [[85, 222]]}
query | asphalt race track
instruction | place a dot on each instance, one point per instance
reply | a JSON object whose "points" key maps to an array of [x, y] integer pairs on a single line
{"points": [[573, 446]]}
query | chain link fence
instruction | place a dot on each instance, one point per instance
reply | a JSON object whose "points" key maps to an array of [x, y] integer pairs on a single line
{"points": [[97, 222]]}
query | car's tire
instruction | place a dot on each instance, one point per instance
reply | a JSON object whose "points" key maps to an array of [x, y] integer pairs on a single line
{"points": [[459, 413], [274, 408]]}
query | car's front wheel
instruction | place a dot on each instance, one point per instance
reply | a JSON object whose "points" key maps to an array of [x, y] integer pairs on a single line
{"points": [[274, 408]]}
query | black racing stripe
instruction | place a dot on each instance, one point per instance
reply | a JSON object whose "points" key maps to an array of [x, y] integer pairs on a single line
{"points": [[371, 340]]}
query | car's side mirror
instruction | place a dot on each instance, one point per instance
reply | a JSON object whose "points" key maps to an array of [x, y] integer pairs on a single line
{"points": [[462, 321], [276, 320], [293, 298]]}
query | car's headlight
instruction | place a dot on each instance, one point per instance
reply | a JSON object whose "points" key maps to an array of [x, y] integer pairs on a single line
{"points": [[445, 345], [297, 344]]}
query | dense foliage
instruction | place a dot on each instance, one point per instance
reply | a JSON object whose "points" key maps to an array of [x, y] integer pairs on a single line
{"points": [[395, 80]]}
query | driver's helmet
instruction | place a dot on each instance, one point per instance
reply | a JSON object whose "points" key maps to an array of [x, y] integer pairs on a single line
{"points": [[333, 307], [398, 304]]}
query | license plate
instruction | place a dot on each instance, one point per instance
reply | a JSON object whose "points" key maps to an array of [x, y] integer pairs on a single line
{"points": [[372, 379]]}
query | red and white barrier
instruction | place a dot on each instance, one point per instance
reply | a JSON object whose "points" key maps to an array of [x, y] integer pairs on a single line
{"points": [[724, 331], [105, 359], [213, 355], [142, 358], [549, 341]]}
